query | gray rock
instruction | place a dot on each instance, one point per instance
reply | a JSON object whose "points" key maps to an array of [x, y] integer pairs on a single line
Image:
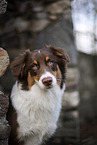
{"points": [[4, 129], [4, 103], [39, 25], [3, 6], [4, 126], [58, 7], [4, 61]]}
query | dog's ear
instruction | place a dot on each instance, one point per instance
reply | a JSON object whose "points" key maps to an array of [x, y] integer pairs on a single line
{"points": [[59, 52], [18, 65]]}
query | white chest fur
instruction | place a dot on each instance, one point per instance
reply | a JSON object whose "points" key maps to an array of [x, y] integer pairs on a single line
{"points": [[37, 109]]}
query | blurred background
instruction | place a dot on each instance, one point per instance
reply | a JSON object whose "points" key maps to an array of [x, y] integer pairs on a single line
{"points": [[69, 24]]}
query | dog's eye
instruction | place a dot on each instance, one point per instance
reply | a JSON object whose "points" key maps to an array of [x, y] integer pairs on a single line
{"points": [[34, 67], [50, 63]]}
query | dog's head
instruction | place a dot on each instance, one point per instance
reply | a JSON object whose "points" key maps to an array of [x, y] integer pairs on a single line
{"points": [[45, 67]]}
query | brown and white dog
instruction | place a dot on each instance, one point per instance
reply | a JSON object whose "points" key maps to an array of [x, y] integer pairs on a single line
{"points": [[36, 96]]}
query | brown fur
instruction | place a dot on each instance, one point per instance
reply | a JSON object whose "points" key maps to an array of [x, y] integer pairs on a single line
{"points": [[24, 64], [13, 139], [27, 68]]}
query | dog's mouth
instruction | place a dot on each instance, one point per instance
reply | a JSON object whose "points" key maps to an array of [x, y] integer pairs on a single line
{"points": [[48, 87]]}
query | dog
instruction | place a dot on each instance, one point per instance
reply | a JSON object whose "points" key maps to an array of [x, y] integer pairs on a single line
{"points": [[35, 101]]}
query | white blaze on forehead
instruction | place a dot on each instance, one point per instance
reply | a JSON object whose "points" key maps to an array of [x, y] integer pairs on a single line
{"points": [[46, 75], [37, 51]]}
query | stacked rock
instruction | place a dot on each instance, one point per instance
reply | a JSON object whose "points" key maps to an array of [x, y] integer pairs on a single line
{"points": [[4, 101]]}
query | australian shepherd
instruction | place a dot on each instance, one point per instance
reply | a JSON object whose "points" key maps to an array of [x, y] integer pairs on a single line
{"points": [[35, 101]]}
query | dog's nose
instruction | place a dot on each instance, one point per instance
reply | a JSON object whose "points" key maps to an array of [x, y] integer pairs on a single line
{"points": [[47, 81]]}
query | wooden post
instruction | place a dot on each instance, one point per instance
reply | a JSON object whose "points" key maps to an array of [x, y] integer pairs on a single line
{"points": [[88, 85]]}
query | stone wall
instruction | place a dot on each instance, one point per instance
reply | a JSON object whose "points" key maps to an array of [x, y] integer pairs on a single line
{"points": [[4, 101]]}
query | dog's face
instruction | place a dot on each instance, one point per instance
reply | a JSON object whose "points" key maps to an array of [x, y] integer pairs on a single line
{"points": [[45, 67]]}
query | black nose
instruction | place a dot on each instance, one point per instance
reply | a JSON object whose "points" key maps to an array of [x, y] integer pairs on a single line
{"points": [[47, 81]]}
